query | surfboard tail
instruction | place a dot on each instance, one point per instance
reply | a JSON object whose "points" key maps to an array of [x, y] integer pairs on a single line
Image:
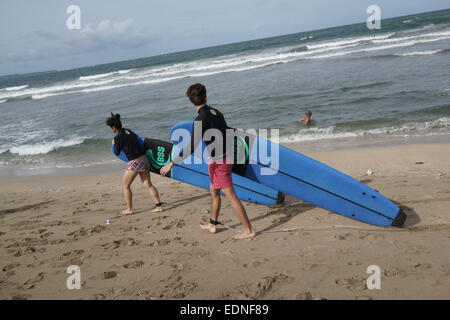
{"points": [[399, 220]]}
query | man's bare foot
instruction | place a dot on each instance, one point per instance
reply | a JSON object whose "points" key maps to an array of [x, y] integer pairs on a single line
{"points": [[127, 211], [210, 227], [158, 209], [245, 235]]}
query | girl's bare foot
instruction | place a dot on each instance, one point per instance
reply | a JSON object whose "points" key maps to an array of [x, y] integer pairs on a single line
{"points": [[127, 211], [210, 227], [245, 235], [158, 209]]}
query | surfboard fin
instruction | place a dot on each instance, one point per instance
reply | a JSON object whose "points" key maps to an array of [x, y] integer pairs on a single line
{"points": [[280, 197]]}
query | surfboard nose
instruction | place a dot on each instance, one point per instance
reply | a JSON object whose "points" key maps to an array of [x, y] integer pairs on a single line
{"points": [[399, 219]]}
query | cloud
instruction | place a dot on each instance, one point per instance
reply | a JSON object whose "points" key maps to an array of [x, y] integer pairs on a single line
{"points": [[92, 38], [108, 27]]}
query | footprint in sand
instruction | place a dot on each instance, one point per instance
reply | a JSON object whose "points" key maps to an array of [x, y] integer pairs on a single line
{"points": [[27, 242], [394, 272], [10, 267], [160, 218], [128, 229], [265, 287], [420, 266], [159, 242], [46, 235], [72, 257], [344, 236], [354, 263], [304, 296], [253, 264], [353, 284], [120, 243], [178, 223], [98, 296], [444, 270], [109, 275], [31, 283], [370, 236], [82, 232], [134, 264], [177, 288]]}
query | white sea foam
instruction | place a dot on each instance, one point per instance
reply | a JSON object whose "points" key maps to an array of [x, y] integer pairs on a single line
{"points": [[233, 63], [421, 128], [14, 88], [419, 36], [378, 48], [419, 53], [96, 76], [53, 88], [316, 134], [103, 75], [349, 41], [3, 100], [43, 148]]}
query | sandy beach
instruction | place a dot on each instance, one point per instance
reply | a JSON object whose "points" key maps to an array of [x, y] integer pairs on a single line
{"points": [[48, 223]]}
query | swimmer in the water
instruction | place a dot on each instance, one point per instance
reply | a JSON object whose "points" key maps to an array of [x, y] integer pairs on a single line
{"points": [[307, 119]]}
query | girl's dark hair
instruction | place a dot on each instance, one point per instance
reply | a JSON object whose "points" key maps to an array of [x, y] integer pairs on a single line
{"points": [[114, 121]]}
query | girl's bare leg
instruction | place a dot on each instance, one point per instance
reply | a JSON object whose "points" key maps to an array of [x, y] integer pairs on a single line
{"points": [[127, 180], [145, 178]]}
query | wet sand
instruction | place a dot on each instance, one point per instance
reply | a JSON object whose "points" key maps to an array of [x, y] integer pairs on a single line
{"points": [[48, 223]]}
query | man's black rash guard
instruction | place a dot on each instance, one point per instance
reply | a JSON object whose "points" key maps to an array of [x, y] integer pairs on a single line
{"points": [[210, 119], [127, 141]]}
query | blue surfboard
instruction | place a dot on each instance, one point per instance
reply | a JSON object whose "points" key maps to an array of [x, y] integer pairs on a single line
{"points": [[314, 182], [160, 153]]}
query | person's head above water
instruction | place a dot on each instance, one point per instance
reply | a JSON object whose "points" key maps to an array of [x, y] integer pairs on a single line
{"points": [[308, 113], [197, 94], [114, 122]]}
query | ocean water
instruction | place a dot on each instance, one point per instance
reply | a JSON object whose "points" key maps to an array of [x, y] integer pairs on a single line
{"points": [[362, 87]]}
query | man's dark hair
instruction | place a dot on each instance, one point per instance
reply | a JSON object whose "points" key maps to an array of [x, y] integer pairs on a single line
{"points": [[114, 121], [197, 94]]}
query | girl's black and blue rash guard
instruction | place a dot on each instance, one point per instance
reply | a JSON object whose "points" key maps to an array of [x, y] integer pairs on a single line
{"points": [[127, 141]]}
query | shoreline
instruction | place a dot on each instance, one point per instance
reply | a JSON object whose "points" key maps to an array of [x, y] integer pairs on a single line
{"points": [[305, 147], [301, 252]]}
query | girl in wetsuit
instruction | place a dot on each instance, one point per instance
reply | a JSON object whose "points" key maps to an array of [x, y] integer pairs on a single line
{"points": [[127, 141]]}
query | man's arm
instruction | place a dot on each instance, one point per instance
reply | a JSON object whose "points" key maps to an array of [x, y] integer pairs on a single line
{"points": [[187, 150]]}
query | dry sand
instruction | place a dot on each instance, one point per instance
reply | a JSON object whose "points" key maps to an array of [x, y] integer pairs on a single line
{"points": [[50, 223]]}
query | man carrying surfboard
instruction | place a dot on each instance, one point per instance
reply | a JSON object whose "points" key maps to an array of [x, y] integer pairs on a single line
{"points": [[220, 163]]}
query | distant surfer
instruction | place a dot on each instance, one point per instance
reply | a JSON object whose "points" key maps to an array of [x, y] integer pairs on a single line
{"points": [[127, 141], [307, 119], [219, 165]]}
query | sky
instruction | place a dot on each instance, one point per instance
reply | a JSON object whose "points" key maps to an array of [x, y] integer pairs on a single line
{"points": [[34, 35]]}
